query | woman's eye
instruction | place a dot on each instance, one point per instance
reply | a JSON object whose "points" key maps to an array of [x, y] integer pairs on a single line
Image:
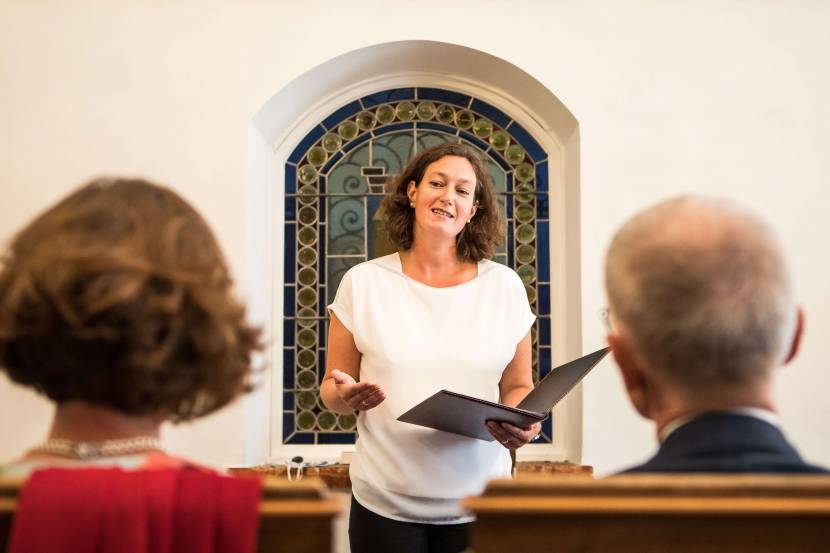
{"points": [[463, 192], [436, 183]]}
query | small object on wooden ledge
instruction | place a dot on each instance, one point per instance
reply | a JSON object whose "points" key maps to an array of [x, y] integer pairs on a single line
{"points": [[336, 476], [526, 468]]}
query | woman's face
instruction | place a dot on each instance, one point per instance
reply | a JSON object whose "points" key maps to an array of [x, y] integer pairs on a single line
{"points": [[445, 198]]}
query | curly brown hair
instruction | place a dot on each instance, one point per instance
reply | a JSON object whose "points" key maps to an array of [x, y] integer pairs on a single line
{"points": [[479, 238], [120, 296]]}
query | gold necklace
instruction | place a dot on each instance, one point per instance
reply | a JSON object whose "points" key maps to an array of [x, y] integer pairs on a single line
{"points": [[90, 450]]}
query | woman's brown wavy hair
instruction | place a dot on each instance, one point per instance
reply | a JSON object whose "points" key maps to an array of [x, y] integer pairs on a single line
{"points": [[478, 239], [119, 296]]}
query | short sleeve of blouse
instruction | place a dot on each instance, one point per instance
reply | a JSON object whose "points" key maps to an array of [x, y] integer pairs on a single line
{"points": [[343, 304], [525, 316]]}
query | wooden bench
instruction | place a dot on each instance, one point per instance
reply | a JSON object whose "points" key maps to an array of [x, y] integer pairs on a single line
{"points": [[294, 516], [654, 514]]}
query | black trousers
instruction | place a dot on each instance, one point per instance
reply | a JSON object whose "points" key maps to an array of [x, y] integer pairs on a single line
{"points": [[372, 533]]}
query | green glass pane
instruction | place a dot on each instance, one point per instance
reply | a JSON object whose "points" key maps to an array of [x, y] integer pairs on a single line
{"points": [[405, 111], [307, 215], [326, 420], [464, 119], [524, 172], [346, 422], [308, 256], [306, 420], [525, 254], [307, 317], [307, 174], [426, 110], [514, 154], [306, 337], [306, 359], [317, 156], [445, 113], [307, 276], [347, 175], [385, 114], [307, 297], [428, 139], [498, 174], [524, 192], [346, 228], [525, 234], [500, 140], [526, 273], [482, 128], [306, 379], [365, 120], [307, 236], [392, 151], [308, 194], [531, 294], [306, 400], [331, 142], [524, 213], [347, 130]]}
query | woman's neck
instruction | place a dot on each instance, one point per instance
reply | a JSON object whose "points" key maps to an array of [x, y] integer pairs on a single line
{"points": [[83, 422], [436, 265]]}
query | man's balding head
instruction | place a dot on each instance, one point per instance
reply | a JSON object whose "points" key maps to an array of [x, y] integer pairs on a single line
{"points": [[701, 290]]}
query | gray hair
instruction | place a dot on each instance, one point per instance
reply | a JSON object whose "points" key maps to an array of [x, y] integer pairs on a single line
{"points": [[702, 288]]}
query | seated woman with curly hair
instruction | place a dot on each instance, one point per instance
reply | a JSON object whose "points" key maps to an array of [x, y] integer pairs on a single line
{"points": [[116, 304]]}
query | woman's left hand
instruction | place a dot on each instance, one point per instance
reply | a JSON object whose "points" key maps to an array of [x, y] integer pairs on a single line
{"points": [[512, 436]]}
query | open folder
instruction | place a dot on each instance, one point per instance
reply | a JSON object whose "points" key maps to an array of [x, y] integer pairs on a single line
{"points": [[465, 415]]}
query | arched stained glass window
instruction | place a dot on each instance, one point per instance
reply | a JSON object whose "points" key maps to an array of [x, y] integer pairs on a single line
{"points": [[334, 182]]}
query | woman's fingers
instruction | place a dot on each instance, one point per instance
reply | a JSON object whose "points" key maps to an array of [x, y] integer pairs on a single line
{"points": [[512, 436], [349, 391], [365, 396]]}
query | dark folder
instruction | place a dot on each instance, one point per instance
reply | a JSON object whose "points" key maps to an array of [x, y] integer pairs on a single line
{"points": [[465, 415]]}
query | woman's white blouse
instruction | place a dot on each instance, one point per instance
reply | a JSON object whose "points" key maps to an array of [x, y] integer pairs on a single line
{"points": [[416, 340]]}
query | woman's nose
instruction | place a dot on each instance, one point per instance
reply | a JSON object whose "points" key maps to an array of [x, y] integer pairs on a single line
{"points": [[446, 195]]}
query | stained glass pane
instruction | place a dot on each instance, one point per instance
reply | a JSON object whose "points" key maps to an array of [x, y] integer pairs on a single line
{"points": [[340, 176]]}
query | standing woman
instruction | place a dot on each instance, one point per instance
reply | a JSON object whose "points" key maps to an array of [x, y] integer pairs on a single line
{"points": [[438, 314]]}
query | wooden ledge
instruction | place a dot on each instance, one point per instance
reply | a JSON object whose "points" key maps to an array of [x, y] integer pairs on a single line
{"points": [[336, 476]]}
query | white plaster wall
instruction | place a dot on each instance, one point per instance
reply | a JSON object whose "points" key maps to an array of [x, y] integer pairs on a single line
{"points": [[726, 98]]}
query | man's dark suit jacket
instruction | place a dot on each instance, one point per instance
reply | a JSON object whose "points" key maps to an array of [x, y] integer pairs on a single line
{"points": [[727, 442]]}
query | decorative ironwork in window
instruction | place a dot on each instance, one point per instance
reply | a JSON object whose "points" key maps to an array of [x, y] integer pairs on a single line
{"points": [[334, 182]]}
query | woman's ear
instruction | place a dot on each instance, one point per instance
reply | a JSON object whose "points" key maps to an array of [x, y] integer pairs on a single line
{"points": [[411, 189]]}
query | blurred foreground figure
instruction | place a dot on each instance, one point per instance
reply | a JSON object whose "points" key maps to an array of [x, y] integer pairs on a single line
{"points": [[701, 310], [116, 304]]}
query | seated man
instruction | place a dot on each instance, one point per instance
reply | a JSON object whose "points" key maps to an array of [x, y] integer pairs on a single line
{"points": [[701, 311]]}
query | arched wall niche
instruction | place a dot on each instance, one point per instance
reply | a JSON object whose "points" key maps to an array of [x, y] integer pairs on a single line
{"points": [[283, 121]]}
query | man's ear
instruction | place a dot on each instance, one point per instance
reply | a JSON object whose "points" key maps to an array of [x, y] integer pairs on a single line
{"points": [[410, 190], [797, 334], [636, 381]]}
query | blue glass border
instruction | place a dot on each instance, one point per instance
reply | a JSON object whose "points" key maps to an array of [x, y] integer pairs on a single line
{"points": [[341, 114], [492, 113], [388, 96], [443, 96], [528, 142], [307, 142]]}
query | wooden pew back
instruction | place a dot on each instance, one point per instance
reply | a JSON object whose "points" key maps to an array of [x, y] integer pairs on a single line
{"points": [[294, 516], [654, 514]]}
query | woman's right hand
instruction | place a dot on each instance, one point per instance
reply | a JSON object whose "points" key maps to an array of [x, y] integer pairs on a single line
{"points": [[360, 396]]}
